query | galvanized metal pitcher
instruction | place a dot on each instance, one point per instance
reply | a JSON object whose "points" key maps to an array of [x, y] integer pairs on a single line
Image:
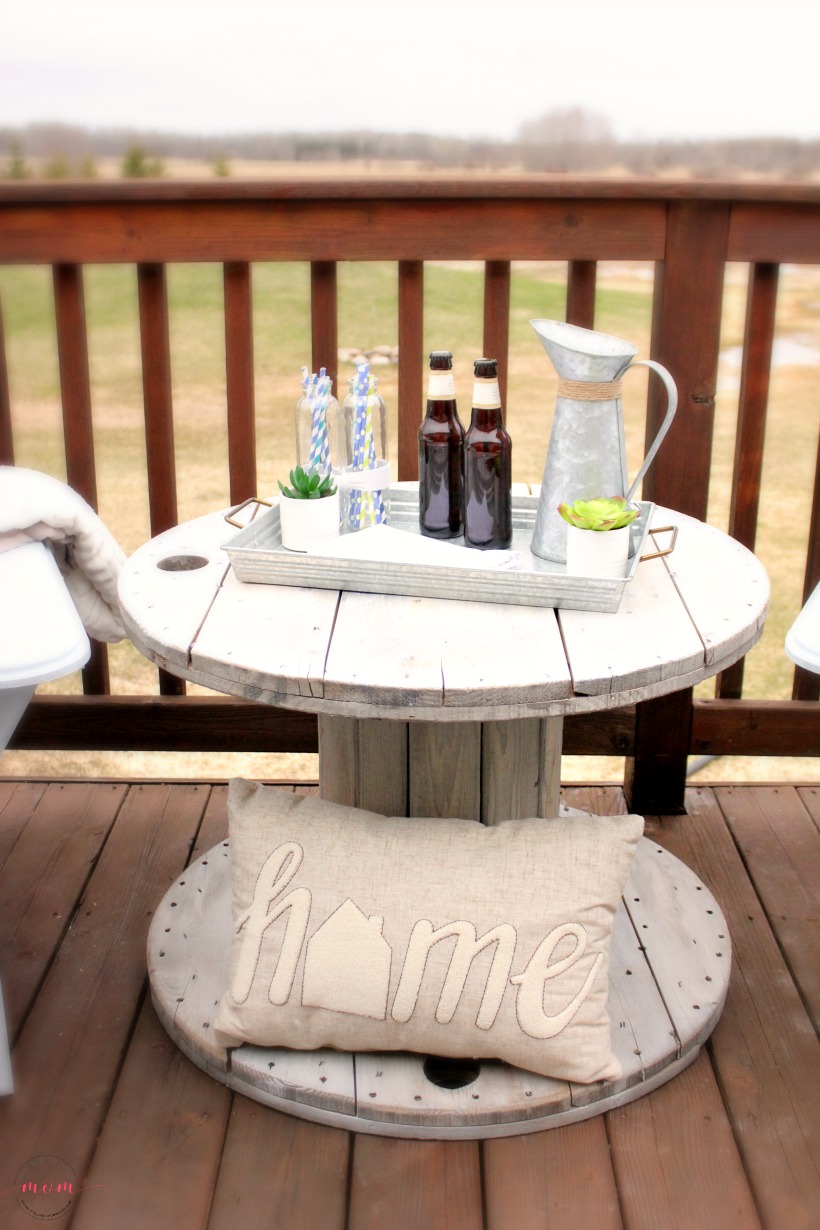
{"points": [[587, 456]]}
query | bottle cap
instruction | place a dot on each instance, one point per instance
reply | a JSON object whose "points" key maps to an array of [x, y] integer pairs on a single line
{"points": [[441, 361], [486, 369]]}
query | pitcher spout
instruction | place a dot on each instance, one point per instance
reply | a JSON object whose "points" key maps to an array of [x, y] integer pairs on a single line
{"points": [[583, 354]]}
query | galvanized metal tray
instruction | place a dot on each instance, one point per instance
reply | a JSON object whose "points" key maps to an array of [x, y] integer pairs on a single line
{"points": [[257, 555]]}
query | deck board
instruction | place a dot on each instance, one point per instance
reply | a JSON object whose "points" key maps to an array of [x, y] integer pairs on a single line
{"points": [[732, 1141]]}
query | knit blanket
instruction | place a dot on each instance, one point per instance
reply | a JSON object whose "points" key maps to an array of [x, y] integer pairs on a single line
{"points": [[35, 506]]}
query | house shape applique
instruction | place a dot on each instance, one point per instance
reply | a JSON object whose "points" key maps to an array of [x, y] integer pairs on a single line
{"points": [[347, 964]]}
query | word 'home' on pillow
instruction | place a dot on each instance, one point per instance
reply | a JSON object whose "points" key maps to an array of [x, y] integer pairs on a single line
{"points": [[361, 932]]}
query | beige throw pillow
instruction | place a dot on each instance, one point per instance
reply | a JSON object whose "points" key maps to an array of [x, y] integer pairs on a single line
{"points": [[444, 937]]}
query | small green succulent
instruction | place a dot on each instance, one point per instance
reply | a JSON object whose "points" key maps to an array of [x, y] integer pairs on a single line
{"points": [[598, 514], [308, 485]]}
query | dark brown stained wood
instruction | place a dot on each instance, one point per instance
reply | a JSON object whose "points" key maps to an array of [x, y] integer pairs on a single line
{"points": [[675, 1159], [764, 1049], [18, 800], [240, 387], [159, 421], [439, 1187], [75, 1036], [156, 385], [788, 233], [6, 432], [686, 340], [43, 876], [761, 305], [497, 319], [153, 723], [341, 228], [686, 313], [581, 278], [810, 798], [178, 1114], [807, 683], [384, 187], [324, 317], [160, 1144], [182, 1123], [562, 1178], [412, 366], [655, 777], [75, 384], [755, 728], [781, 852], [199, 723], [279, 1172]]}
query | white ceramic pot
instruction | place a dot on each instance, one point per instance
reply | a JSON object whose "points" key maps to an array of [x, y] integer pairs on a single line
{"points": [[597, 553], [306, 524]]}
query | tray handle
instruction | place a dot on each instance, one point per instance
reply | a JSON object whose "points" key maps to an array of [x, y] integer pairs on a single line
{"points": [[662, 529], [253, 499]]}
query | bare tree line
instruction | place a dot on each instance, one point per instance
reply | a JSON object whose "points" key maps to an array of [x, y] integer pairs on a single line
{"points": [[569, 140]]}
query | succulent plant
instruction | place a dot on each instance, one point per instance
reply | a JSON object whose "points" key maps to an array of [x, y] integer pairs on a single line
{"points": [[599, 514], [308, 485]]}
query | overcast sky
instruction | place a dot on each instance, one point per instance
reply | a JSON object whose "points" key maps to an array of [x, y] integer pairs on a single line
{"points": [[653, 68]]}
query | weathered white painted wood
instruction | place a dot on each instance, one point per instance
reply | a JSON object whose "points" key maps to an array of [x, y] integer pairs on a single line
{"points": [[363, 763], [382, 767], [393, 1089], [520, 769], [723, 586], [650, 637], [551, 739], [432, 653], [338, 759], [267, 637], [686, 939], [192, 929], [445, 769], [189, 952], [167, 586], [643, 1036], [324, 1079]]}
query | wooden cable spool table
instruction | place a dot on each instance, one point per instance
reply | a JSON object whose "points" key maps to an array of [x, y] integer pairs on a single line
{"points": [[437, 707]]}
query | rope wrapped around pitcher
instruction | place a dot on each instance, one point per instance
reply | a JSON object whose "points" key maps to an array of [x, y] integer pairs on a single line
{"points": [[589, 390]]}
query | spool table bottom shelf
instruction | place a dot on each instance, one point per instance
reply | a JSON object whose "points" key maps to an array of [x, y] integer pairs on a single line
{"points": [[669, 971]]}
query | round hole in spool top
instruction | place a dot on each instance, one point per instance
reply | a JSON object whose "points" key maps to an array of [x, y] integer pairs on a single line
{"points": [[182, 563], [451, 1073]]}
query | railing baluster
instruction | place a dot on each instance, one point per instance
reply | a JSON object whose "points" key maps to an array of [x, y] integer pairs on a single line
{"points": [[324, 318], [761, 308], [411, 366], [6, 432], [497, 319], [807, 683], [159, 421], [686, 339], [239, 369], [581, 279], [75, 387]]}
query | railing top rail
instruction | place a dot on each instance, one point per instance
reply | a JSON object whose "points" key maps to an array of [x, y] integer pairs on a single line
{"points": [[427, 187]]}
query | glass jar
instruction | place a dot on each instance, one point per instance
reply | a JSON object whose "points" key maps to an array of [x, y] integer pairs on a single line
{"points": [[320, 434], [365, 502]]}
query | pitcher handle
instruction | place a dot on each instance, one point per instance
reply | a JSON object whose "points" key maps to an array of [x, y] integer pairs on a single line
{"points": [[672, 405]]}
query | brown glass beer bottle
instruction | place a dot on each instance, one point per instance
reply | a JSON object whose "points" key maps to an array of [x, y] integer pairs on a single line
{"points": [[441, 454], [487, 465]]}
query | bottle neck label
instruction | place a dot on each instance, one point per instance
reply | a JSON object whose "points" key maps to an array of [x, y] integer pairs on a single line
{"points": [[486, 393], [441, 385]]}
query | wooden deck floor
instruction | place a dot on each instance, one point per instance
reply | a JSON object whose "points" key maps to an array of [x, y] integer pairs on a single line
{"points": [[732, 1142]]}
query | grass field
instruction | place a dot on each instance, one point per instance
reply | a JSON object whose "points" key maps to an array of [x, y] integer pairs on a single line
{"points": [[367, 318]]}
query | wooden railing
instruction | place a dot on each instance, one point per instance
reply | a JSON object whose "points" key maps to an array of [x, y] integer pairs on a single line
{"points": [[690, 231]]}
